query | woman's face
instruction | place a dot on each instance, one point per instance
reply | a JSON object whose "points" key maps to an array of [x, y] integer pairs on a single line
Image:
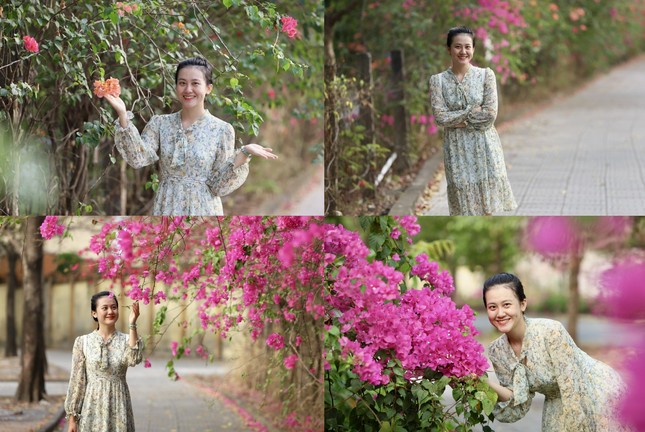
{"points": [[192, 87], [107, 312], [504, 308], [461, 50]]}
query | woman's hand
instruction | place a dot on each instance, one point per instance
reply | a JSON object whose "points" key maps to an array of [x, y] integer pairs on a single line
{"points": [[134, 312], [117, 103], [119, 106], [259, 151], [72, 424]]}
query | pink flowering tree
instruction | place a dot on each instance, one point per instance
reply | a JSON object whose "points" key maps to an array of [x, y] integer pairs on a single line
{"points": [[623, 297], [394, 338], [563, 241], [53, 51], [259, 275]]}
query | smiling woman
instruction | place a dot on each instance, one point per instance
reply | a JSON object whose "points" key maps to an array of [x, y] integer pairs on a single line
{"points": [[538, 355], [196, 150], [98, 398]]}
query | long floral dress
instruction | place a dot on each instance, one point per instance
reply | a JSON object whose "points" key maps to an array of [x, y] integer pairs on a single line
{"points": [[580, 392], [196, 163], [473, 157], [98, 394]]}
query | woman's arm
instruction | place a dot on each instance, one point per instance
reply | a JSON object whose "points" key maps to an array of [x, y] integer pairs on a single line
{"points": [[138, 150], [76, 387], [481, 118], [443, 116], [503, 394]]}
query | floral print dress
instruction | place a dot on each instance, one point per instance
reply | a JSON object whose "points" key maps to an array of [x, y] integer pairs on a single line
{"points": [[580, 392], [473, 157], [196, 163], [98, 394]]}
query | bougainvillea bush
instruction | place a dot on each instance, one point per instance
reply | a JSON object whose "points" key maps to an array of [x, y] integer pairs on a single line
{"points": [[394, 338], [56, 136], [259, 275]]}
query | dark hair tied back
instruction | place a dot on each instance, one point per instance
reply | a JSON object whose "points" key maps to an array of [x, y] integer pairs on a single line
{"points": [[97, 296], [459, 30], [508, 280], [199, 62]]}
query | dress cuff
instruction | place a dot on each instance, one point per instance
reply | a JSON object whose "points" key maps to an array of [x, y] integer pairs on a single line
{"points": [[129, 115]]}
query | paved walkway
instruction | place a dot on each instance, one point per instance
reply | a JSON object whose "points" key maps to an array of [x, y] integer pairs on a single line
{"points": [[160, 404], [581, 155]]}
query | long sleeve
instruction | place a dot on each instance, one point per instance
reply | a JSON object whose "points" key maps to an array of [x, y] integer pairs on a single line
{"points": [[138, 150], [443, 116], [512, 375], [77, 381], [225, 177], [482, 120], [570, 374], [134, 355]]}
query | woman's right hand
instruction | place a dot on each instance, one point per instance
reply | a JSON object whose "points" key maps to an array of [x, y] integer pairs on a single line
{"points": [[72, 424], [117, 103]]}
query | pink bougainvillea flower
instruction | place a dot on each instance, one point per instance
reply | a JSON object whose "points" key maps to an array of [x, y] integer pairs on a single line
{"points": [[146, 363], [275, 341], [173, 348], [271, 94], [552, 235], [30, 44], [51, 228], [291, 361], [289, 25]]}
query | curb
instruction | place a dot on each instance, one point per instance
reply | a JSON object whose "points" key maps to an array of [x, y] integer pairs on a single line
{"points": [[406, 203], [53, 423]]}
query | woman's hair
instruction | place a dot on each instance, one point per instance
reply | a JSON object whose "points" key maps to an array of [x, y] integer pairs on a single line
{"points": [[459, 30], [509, 281], [199, 62], [97, 296]]}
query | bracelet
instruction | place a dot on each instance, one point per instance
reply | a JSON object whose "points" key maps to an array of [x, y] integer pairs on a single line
{"points": [[245, 151], [133, 326]]}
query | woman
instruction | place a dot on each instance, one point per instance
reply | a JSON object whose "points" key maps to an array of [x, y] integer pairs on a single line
{"points": [[464, 101], [196, 150], [538, 355], [98, 399]]}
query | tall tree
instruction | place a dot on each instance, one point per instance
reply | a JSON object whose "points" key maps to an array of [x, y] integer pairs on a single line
{"points": [[33, 360], [10, 243]]}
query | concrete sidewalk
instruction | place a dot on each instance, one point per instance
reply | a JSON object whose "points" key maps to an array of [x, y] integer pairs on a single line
{"points": [[160, 404], [582, 155]]}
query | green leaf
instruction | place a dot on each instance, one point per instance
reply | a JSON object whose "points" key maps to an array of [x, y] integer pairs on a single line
{"points": [[227, 3], [234, 82]]}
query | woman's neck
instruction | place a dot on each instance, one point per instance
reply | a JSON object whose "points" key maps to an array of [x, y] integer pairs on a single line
{"points": [[191, 115], [106, 331], [516, 335], [460, 69]]}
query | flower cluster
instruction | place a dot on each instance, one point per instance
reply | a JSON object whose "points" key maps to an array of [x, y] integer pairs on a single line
{"points": [[379, 321], [110, 86], [124, 8], [30, 44], [51, 228], [289, 25]]}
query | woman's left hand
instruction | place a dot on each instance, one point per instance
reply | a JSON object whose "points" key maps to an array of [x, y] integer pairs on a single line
{"points": [[259, 151], [134, 312]]}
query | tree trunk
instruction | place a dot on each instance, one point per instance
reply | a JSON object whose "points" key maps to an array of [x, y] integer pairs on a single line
{"points": [[11, 348], [31, 385], [574, 294], [331, 122]]}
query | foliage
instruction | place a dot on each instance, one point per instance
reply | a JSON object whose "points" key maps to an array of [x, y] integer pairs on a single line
{"points": [[258, 275], [393, 349], [46, 96], [491, 246]]}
